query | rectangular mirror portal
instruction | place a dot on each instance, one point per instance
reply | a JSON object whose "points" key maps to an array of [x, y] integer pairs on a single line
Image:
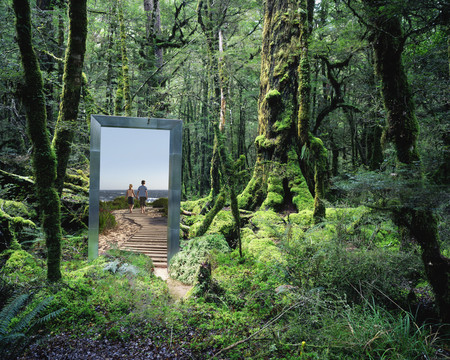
{"points": [[174, 187]]}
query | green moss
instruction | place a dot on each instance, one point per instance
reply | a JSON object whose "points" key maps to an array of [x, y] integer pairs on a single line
{"points": [[273, 200], [302, 218], [284, 78], [262, 142], [268, 224], [18, 209], [273, 95], [254, 192], [17, 221], [200, 230], [195, 206], [261, 248], [22, 268], [302, 198], [223, 223]]}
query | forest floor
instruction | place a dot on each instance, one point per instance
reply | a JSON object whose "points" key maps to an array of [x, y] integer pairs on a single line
{"points": [[124, 230], [65, 346]]}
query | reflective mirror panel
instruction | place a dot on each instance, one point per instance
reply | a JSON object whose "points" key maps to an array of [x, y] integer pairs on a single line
{"points": [[174, 187]]}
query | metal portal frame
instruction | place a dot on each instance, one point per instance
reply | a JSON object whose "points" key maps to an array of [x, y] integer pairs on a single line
{"points": [[175, 146]]}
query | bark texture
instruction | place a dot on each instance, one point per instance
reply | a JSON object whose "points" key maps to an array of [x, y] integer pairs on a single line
{"points": [[44, 160], [313, 154], [72, 82], [270, 184], [402, 128]]}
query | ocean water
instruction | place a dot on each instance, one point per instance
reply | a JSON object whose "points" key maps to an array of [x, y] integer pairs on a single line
{"points": [[108, 195]]}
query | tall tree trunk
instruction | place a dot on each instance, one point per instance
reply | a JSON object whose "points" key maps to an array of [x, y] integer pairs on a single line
{"points": [[125, 70], [44, 160], [210, 23], [402, 128], [72, 81], [109, 98], [313, 155], [156, 101], [270, 185]]}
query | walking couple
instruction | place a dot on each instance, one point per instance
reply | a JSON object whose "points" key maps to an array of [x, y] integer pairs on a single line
{"points": [[142, 195]]}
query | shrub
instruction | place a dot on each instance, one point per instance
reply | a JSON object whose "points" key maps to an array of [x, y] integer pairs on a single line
{"points": [[380, 273], [163, 204], [185, 263]]}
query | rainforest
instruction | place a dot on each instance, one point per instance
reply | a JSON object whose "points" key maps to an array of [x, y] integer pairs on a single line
{"points": [[314, 180]]}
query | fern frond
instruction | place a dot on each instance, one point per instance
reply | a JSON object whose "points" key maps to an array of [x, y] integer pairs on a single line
{"points": [[49, 317], [11, 338], [25, 322], [10, 311]]}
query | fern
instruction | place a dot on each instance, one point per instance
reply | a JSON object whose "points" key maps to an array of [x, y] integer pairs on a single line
{"points": [[9, 312], [13, 336]]}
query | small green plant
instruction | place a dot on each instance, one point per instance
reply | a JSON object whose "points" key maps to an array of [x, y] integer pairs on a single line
{"points": [[185, 263], [163, 204], [107, 221], [17, 322]]}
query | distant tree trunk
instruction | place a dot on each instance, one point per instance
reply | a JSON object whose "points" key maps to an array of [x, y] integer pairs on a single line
{"points": [[270, 185], [72, 82], [210, 22], [156, 97], [44, 160], [109, 98], [241, 146], [125, 70], [402, 128], [153, 28], [313, 155]]}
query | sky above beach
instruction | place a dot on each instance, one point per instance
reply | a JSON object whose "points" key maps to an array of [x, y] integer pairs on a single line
{"points": [[130, 155]]}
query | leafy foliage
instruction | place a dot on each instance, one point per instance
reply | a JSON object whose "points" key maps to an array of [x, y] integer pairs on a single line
{"points": [[16, 323], [184, 265]]}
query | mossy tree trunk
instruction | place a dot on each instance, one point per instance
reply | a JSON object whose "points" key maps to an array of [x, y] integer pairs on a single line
{"points": [[44, 159], [270, 185], [72, 82], [313, 155], [210, 17], [402, 129]]}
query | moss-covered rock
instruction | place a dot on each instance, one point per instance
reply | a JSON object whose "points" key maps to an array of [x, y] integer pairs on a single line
{"points": [[302, 218], [17, 209], [261, 248], [268, 224], [21, 267]]}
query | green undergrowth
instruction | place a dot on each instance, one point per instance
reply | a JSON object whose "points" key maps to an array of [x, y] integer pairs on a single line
{"points": [[184, 265], [340, 289], [114, 296]]}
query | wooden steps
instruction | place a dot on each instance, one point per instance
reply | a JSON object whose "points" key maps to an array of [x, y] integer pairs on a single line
{"points": [[151, 239]]}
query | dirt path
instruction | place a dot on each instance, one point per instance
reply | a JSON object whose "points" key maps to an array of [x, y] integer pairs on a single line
{"points": [[124, 230]]}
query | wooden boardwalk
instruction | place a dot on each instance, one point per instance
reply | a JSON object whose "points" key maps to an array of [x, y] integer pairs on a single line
{"points": [[151, 239]]}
